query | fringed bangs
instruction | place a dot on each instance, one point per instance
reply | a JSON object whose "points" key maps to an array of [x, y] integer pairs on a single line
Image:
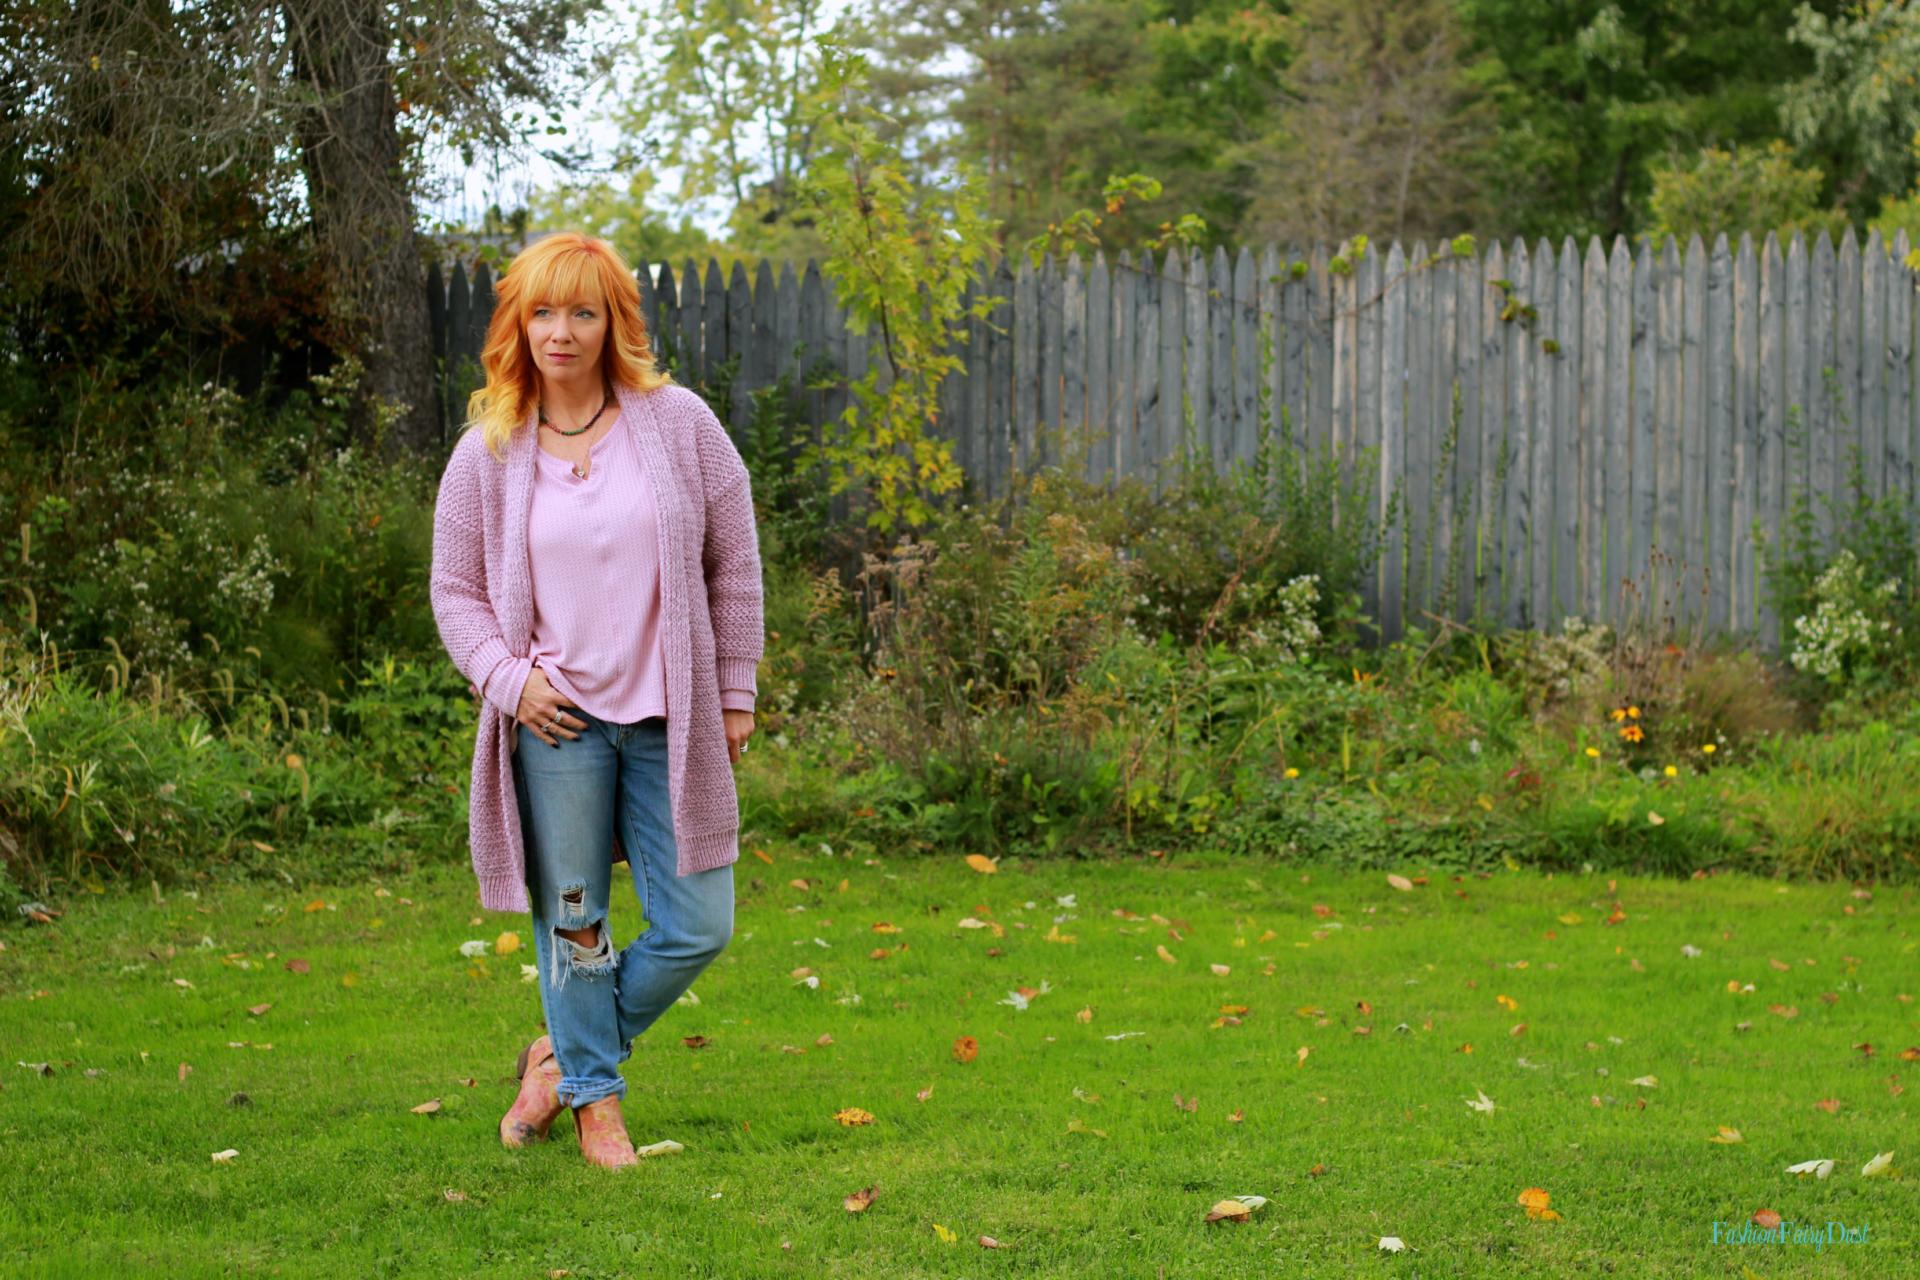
{"points": [[557, 268]]}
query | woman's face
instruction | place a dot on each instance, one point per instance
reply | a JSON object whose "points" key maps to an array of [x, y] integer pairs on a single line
{"points": [[566, 340]]}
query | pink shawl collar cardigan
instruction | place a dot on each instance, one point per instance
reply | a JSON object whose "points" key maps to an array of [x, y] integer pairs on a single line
{"points": [[709, 556]]}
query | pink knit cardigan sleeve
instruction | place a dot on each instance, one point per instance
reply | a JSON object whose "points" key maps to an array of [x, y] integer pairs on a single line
{"points": [[469, 627], [731, 559]]}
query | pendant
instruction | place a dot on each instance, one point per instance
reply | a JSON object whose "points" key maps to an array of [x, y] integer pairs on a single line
{"points": [[577, 471]]}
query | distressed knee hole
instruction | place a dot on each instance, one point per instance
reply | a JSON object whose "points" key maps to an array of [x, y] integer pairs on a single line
{"points": [[593, 959]]}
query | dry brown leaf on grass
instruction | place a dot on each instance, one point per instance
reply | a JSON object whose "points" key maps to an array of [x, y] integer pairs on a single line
{"points": [[859, 1200], [1400, 882], [427, 1108], [988, 1242], [1726, 1136], [966, 1049], [1829, 1105], [1188, 1105], [1161, 951], [984, 865], [1766, 1218], [853, 1115]]}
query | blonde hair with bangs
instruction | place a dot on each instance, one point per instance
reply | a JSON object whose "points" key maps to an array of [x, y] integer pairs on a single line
{"points": [[557, 268]]}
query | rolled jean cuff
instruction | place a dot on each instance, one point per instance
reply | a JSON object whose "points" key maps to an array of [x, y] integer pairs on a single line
{"points": [[579, 1092]]}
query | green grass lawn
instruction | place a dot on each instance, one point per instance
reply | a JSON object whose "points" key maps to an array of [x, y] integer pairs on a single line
{"points": [[1062, 1139]]}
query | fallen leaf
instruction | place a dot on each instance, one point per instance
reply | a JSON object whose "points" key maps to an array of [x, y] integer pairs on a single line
{"points": [[947, 1236], [427, 1108], [1235, 1209], [1878, 1167], [1300, 1056], [860, 1199], [225, 1157], [506, 944], [1392, 1244], [1766, 1218], [1161, 951], [1818, 1168], [988, 1242], [258, 1009], [1400, 882], [853, 1115], [1535, 1199], [1646, 1082], [966, 1049], [1726, 1136], [1483, 1103], [1220, 970], [984, 865]]}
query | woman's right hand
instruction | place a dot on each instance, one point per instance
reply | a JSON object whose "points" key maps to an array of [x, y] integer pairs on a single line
{"points": [[540, 706]]}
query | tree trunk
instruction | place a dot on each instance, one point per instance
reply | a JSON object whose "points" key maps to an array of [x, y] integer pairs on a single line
{"points": [[362, 210]]}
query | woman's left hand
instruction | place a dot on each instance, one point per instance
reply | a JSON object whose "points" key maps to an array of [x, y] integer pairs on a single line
{"points": [[739, 726]]}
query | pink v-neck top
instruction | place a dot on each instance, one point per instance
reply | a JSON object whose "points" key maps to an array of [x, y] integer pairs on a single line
{"points": [[594, 548]]}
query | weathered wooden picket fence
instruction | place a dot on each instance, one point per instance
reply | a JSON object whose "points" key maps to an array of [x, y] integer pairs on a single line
{"points": [[1612, 403]]}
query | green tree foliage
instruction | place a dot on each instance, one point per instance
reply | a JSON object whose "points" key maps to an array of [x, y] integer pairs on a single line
{"points": [[1591, 95], [1860, 105], [729, 89], [1378, 127], [1757, 189], [1048, 101], [145, 150], [615, 207], [899, 259]]}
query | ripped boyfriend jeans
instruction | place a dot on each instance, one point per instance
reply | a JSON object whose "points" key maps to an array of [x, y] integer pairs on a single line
{"points": [[570, 797]]}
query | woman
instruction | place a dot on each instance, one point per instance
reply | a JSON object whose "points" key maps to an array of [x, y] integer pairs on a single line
{"points": [[596, 577]]}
